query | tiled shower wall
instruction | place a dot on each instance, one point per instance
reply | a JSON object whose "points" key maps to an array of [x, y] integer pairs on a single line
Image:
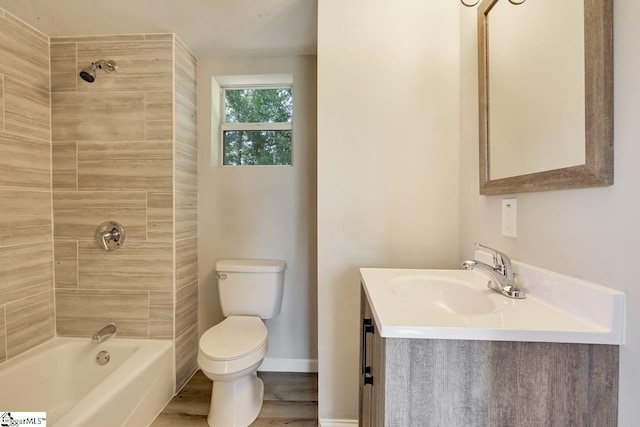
{"points": [[119, 149], [113, 160], [186, 194], [26, 255]]}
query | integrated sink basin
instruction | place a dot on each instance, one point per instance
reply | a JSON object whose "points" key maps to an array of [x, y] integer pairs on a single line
{"points": [[443, 294], [457, 304]]}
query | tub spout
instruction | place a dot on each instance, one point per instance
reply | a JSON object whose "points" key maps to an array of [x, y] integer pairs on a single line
{"points": [[104, 333]]}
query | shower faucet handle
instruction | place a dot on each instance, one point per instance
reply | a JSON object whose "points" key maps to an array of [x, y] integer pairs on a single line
{"points": [[110, 235]]}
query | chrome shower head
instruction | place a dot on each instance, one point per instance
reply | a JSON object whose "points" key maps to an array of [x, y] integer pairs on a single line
{"points": [[89, 74]]}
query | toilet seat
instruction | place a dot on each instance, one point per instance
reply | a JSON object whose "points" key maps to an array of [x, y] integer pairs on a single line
{"points": [[231, 348], [234, 338]]}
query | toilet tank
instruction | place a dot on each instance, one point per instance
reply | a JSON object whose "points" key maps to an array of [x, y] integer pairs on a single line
{"points": [[250, 287]]}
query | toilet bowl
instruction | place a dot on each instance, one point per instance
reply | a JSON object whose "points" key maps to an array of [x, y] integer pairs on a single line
{"points": [[230, 352]]}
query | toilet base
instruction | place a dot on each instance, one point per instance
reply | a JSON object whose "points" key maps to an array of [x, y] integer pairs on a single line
{"points": [[236, 403]]}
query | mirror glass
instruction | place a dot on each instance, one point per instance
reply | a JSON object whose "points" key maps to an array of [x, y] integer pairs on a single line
{"points": [[536, 82], [545, 70]]}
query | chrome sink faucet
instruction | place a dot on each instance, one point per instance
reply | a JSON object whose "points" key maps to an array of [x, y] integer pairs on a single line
{"points": [[501, 272], [104, 333]]}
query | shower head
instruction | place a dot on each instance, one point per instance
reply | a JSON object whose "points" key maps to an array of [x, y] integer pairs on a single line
{"points": [[89, 74]]}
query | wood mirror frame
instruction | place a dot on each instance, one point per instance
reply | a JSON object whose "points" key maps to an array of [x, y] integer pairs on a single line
{"points": [[598, 168]]}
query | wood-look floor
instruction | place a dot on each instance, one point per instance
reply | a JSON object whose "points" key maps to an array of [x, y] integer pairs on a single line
{"points": [[290, 399]]}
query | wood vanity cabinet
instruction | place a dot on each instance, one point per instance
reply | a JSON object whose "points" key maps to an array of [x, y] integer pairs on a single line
{"points": [[372, 363], [459, 383]]}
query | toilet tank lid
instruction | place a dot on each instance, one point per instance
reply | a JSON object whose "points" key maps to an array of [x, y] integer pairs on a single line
{"points": [[251, 265]]}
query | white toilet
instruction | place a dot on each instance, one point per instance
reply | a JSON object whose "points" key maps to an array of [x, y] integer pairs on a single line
{"points": [[230, 352]]}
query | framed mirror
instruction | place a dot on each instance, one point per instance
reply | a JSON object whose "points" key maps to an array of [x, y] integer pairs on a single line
{"points": [[545, 70]]}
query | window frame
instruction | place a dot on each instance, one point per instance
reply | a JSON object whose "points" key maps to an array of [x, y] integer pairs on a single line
{"points": [[257, 126]]}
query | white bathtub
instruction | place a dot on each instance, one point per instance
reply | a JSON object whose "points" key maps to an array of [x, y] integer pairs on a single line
{"points": [[63, 378]]}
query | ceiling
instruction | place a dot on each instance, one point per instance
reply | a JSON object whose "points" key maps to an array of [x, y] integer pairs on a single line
{"points": [[209, 27]]}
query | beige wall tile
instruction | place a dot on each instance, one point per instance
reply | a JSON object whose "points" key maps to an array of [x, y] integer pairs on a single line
{"points": [[186, 261], [160, 315], [97, 116], [159, 217], [160, 306], [30, 321], [135, 266], [186, 214], [26, 255], [63, 67], [26, 235], [81, 312], [66, 263], [1, 103], [160, 36], [159, 130], [186, 307], [186, 96], [23, 211], [186, 72], [186, 169], [25, 52], [116, 165], [161, 330], [26, 110], [65, 165], [78, 214], [85, 328], [143, 65], [186, 355], [186, 123], [159, 105], [3, 337], [98, 39], [25, 270], [24, 162]]}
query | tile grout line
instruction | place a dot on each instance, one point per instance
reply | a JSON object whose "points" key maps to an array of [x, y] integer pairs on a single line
{"points": [[24, 298], [174, 290], [32, 244], [76, 161], [145, 120], [148, 314], [77, 72], [3, 107], [6, 337], [146, 216], [51, 217], [77, 264]]}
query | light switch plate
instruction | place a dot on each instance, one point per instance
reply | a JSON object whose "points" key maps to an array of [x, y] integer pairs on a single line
{"points": [[509, 217]]}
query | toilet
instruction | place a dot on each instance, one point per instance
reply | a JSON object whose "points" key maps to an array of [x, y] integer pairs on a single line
{"points": [[230, 352]]}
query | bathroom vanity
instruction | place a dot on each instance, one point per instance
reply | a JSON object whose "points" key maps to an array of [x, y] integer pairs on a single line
{"points": [[438, 348]]}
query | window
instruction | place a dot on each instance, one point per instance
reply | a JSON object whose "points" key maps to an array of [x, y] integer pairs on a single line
{"points": [[256, 125]]}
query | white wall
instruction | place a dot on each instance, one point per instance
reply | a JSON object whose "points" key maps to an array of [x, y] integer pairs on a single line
{"points": [[264, 211], [589, 233], [388, 157]]}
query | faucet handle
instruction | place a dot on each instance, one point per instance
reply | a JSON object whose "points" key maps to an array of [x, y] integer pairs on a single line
{"points": [[501, 261], [499, 258], [110, 235]]}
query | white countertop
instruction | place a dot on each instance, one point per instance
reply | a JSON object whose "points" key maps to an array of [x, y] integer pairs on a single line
{"points": [[557, 309]]}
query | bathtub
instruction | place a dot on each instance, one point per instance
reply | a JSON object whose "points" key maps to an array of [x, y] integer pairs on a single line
{"points": [[62, 378]]}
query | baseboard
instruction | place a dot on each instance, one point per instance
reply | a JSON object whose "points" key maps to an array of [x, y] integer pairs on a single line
{"points": [[338, 423], [275, 364]]}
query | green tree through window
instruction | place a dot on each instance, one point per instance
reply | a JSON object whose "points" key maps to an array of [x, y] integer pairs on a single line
{"points": [[257, 126]]}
